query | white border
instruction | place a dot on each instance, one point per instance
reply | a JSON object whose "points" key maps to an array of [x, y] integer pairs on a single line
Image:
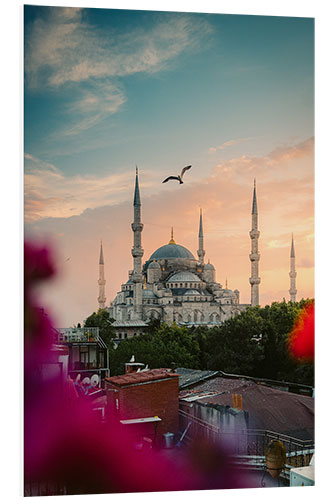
{"points": [[11, 226]]}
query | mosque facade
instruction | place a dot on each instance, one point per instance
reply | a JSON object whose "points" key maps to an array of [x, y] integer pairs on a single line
{"points": [[175, 286]]}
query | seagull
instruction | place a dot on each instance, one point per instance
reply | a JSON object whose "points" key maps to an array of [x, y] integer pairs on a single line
{"points": [[179, 177]]}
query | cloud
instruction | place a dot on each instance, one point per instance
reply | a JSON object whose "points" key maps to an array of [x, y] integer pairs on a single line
{"points": [[284, 162], [94, 104], [228, 144], [306, 263], [49, 193], [226, 185], [62, 48]]}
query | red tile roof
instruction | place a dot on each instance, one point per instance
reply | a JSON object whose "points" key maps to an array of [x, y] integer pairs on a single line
{"points": [[141, 377]]}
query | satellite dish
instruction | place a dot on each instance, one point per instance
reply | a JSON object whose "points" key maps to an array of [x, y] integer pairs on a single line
{"points": [[94, 380], [86, 380]]}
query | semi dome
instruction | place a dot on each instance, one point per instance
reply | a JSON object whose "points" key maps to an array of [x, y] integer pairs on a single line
{"points": [[184, 276], [172, 251], [192, 292]]}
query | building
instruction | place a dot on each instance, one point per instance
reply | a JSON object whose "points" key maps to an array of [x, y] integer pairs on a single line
{"points": [[175, 286], [247, 414], [144, 396], [88, 353], [268, 408]]}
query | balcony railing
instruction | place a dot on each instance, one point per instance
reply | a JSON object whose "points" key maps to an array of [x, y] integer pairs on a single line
{"points": [[249, 446], [88, 334]]}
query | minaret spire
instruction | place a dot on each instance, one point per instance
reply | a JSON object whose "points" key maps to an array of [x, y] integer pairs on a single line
{"points": [[292, 274], [101, 282], [254, 255], [201, 252], [137, 250]]}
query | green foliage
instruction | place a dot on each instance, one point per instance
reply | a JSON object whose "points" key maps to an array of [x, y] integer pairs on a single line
{"points": [[102, 320], [159, 349], [235, 346], [254, 343]]}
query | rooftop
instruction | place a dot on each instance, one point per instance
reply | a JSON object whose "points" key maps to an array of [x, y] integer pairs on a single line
{"points": [[172, 251], [268, 408], [184, 276], [189, 377], [141, 377]]}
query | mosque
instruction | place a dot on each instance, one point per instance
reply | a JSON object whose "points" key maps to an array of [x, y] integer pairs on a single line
{"points": [[175, 286]]}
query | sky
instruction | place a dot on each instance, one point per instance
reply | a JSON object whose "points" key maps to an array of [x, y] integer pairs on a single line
{"points": [[232, 95]]}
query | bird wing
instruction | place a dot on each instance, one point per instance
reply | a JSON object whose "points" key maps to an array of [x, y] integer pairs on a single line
{"points": [[184, 170], [169, 178]]}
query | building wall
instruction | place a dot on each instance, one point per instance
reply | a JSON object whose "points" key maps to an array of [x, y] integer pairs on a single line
{"points": [[156, 398]]}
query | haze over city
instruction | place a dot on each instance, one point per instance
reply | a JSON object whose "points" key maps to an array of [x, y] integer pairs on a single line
{"points": [[106, 90]]}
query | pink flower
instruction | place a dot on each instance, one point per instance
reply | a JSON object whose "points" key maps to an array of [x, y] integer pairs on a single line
{"points": [[301, 338], [65, 443]]}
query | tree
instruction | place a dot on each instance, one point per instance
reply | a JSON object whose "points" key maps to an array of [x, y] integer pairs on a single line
{"points": [[235, 346], [255, 343], [102, 320], [160, 348]]}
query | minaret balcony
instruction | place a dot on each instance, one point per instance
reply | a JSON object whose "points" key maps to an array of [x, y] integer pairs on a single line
{"points": [[101, 282], [254, 257], [254, 281], [137, 252], [254, 233], [137, 226], [292, 291], [137, 278], [292, 274]]}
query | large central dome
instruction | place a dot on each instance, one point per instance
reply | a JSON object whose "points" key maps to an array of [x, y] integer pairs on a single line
{"points": [[172, 251]]}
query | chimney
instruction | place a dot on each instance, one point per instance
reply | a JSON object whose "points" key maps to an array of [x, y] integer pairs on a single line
{"points": [[237, 401]]}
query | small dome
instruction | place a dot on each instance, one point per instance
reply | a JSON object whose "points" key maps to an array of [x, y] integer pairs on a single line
{"points": [[154, 265], [228, 293], [192, 292], [209, 266], [182, 276]]}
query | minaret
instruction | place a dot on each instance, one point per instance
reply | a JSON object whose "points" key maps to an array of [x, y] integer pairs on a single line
{"points": [[201, 252], [292, 274], [254, 255], [101, 281], [137, 251]]}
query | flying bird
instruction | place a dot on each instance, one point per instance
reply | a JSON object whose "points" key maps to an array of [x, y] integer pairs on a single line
{"points": [[179, 177]]}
